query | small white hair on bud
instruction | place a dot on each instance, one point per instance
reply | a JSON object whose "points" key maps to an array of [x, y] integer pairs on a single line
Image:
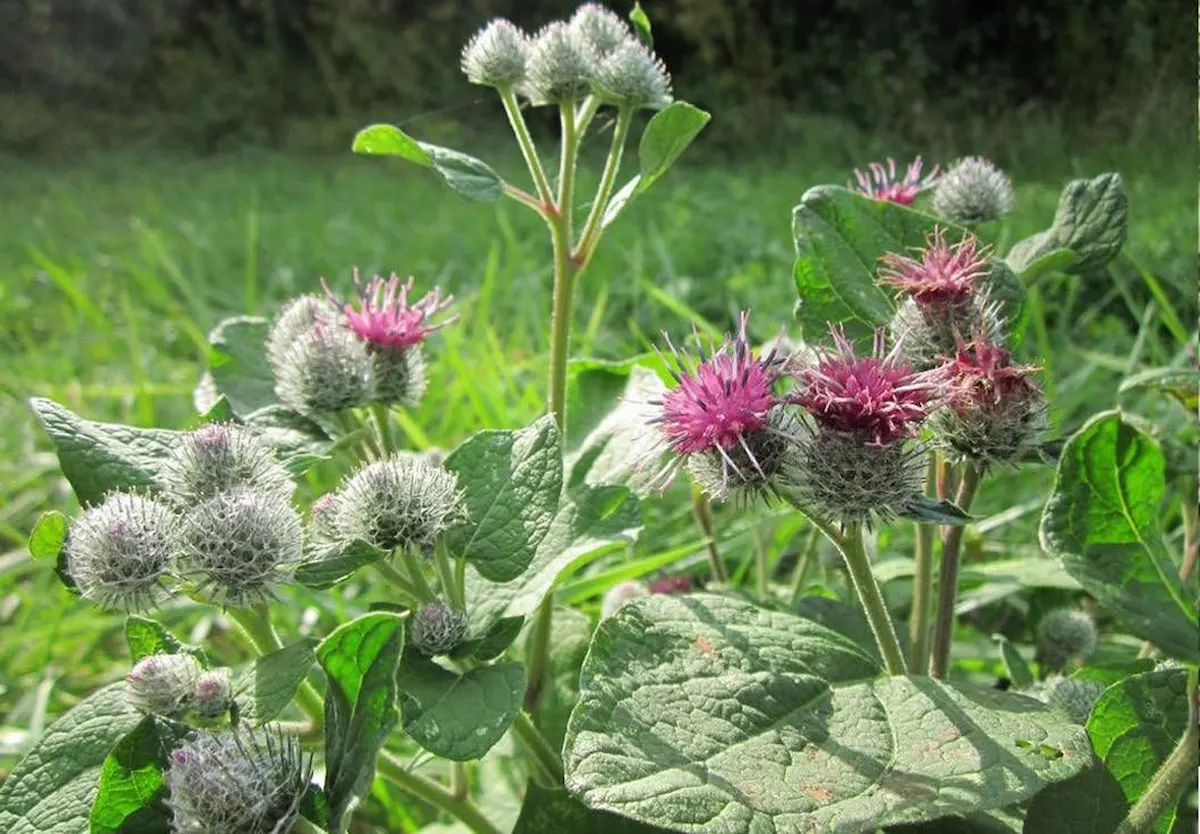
{"points": [[1072, 697], [163, 684], [600, 27], [930, 333], [216, 457], [437, 629], [213, 694], [327, 369], [293, 320], [973, 191], [750, 470], [400, 502], [562, 65], [632, 76], [119, 552], [618, 595], [1064, 634], [240, 544], [398, 376], [249, 782], [845, 478], [496, 56]]}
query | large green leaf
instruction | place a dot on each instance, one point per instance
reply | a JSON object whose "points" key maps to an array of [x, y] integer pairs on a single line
{"points": [[132, 787], [1102, 521], [554, 810], [264, 688], [1091, 221], [360, 659], [1134, 727], [237, 363], [454, 716], [708, 714], [99, 457], [624, 447], [465, 174], [511, 482], [51, 790], [589, 521]]}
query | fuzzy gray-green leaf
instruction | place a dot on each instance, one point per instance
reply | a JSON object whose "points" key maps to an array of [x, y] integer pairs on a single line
{"points": [[1091, 221]]}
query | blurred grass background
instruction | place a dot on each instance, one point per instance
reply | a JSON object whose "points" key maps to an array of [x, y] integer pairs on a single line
{"points": [[163, 165]]}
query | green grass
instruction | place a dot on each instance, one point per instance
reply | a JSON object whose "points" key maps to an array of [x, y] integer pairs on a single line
{"points": [[113, 270]]}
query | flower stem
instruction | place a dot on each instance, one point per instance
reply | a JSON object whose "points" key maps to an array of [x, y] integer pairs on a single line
{"points": [[943, 629], [513, 108], [460, 781], [429, 791], [445, 572], [383, 428], [399, 582], [585, 113], [1172, 778], [416, 575], [801, 573], [918, 622], [592, 229], [255, 621], [761, 568], [854, 552], [703, 512], [548, 760]]}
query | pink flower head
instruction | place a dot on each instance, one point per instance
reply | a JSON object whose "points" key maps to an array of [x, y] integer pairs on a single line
{"points": [[672, 585], [879, 396], [944, 274], [719, 400], [386, 319], [881, 183], [981, 378]]}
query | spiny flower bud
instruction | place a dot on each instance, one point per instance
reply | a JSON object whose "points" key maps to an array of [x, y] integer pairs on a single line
{"points": [[1062, 635], [240, 544], [973, 191], [327, 369], [217, 457], [399, 376], [213, 694], [633, 77], [437, 628], [930, 333], [163, 684], [119, 552], [882, 183], [400, 502], [750, 469], [845, 478], [994, 413], [245, 782], [496, 55], [1074, 698], [295, 319], [561, 66], [618, 595], [722, 410], [600, 28]]}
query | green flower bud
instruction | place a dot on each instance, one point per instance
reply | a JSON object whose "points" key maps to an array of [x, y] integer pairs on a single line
{"points": [[1064, 634], [244, 782], [561, 66], [163, 684], [119, 552], [213, 694], [240, 544], [631, 76], [437, 629], [973, 191], [399, 376], [294, 320], [600, 28], [402, 502], [496, 56], [326, 369], [217, 457]]}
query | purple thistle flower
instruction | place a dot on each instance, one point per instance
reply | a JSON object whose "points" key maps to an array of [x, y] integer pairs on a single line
{"points": [[673, 585], [721, 407], [944, 274], [878, 396], [982, 378], [881, 182], [385, 319]]}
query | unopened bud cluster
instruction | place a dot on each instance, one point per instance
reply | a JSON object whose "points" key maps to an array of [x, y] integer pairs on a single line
{"points": [[222, 522], [437, 629], [595, 52], [172, 685], [250, 782]]}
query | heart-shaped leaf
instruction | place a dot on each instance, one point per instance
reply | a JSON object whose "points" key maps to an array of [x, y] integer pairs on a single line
{"points": [[705, 713], [1102, 521]]}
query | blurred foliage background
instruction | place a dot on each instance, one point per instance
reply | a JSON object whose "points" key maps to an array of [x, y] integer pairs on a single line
{"points": [[211, 75]]}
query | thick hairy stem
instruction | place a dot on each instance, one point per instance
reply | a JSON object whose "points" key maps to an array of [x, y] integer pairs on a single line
{"points": [[547, 759], [427, 790], [447, 577], [589, 238], [528, 150], [859, 566], [922, 604], [943, 631], [383, 428], [401, 586]]}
